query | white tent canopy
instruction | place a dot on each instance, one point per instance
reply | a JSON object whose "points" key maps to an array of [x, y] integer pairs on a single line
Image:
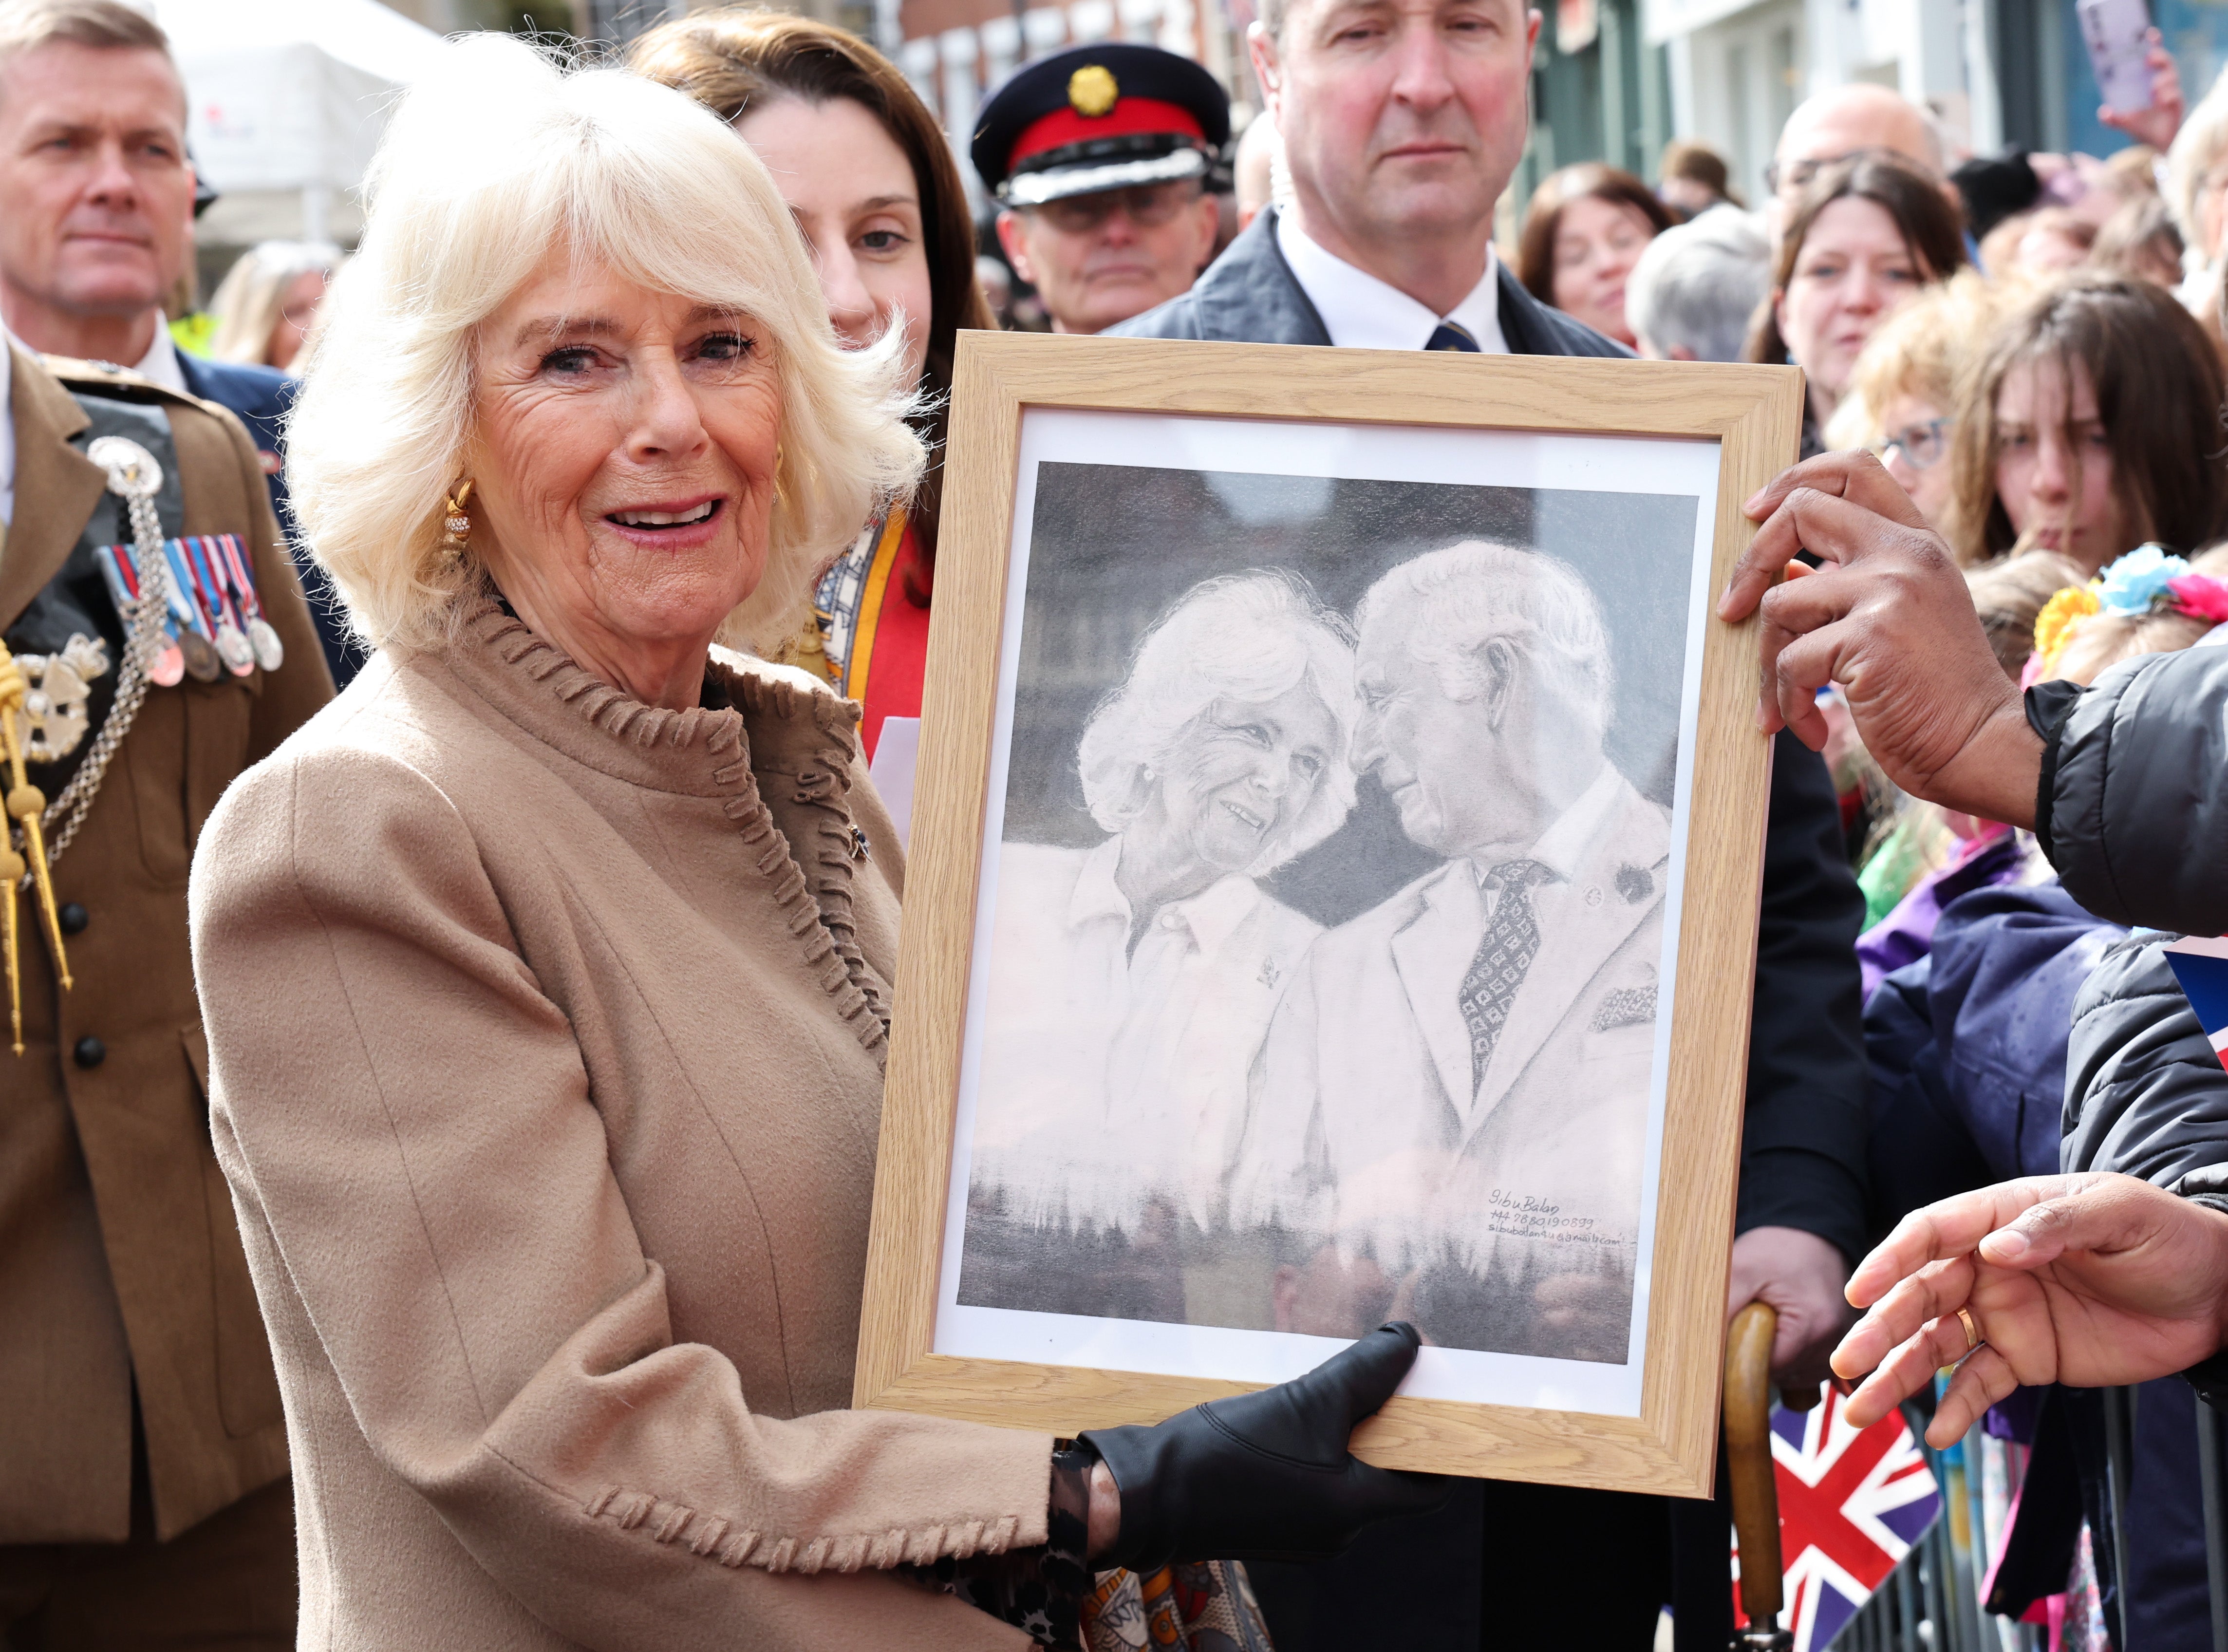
{"points": [[290, 96]]}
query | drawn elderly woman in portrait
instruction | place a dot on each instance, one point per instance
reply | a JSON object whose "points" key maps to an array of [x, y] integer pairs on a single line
{"points": [[1132, 983]]}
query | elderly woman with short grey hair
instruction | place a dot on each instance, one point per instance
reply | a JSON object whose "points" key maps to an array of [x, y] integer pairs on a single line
{"points": [[1139, 974], [547, 975]]}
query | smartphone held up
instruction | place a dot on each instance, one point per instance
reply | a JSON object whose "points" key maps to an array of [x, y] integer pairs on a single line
{"points": [[2117, 34]]}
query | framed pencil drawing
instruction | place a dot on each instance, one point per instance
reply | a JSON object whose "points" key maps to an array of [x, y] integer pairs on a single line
{"points": [[1331, 897]]}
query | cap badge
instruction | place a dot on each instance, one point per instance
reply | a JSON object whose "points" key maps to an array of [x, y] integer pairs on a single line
{"points": [[1092, 90]]}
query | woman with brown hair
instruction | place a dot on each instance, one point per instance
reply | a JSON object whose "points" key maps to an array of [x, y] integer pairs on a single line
{"points": [[872, 184], [1871, 232], [1583, 233], [2090, 423]]}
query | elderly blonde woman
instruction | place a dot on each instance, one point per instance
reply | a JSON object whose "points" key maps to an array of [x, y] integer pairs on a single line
{"points": [[1138, 977], [547, 975]]}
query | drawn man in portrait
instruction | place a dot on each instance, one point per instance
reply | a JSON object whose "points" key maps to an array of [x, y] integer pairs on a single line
{"points": [[1453, 1100]]}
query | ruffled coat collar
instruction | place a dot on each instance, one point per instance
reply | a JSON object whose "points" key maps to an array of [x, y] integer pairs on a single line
{"points": [[782, 732]]}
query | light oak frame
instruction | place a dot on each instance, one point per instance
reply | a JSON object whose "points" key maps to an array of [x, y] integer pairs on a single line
{"points": [[1755, 414]]}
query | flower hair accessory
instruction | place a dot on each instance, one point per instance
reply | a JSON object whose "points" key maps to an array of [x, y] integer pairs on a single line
{"points": [[2200, 596], [2060, 616], [2146, 580], [2135, 584]]}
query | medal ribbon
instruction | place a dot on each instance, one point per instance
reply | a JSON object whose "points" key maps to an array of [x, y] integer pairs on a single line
{"points": [[227, 550], [239, 660], [184, 578]]}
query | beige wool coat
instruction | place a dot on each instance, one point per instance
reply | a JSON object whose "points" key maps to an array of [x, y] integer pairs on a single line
{"points": [[546, 1034]]}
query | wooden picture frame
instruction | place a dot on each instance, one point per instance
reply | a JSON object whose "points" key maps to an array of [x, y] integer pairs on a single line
{"points": [[1666, 1443]]}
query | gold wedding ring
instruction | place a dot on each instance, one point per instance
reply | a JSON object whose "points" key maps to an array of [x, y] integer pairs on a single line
{"points": [[1973, 1337]]}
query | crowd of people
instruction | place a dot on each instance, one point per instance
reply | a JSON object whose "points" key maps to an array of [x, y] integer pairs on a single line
{"points": [[435, 1172]]}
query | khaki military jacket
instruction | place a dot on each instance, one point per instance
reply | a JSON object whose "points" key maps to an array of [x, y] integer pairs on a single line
{"points": [[120, 1262]]}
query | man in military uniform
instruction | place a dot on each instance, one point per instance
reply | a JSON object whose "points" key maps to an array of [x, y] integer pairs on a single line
{"points": [[1100, 156], [144, 1497], [97, 204]]}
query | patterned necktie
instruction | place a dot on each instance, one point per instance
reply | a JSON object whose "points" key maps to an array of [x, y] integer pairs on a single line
{"points": [[1452, 335], [1511, 940]]}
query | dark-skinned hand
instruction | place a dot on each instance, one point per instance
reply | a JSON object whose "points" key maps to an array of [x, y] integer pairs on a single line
{"points": [[2090, 1280], [1888, 618]]}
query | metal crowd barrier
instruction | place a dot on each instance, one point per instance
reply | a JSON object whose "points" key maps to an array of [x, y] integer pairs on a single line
{"points": [[1931, 1601]]}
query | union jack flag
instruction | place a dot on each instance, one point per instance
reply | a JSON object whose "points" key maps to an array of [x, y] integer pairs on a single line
{"points": [[1852, 1503], [2200, 964]]}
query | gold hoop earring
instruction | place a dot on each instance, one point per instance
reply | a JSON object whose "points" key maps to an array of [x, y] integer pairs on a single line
{"points": [[457, 520], [780, 498]]}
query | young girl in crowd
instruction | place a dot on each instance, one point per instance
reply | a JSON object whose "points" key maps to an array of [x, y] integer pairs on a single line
{"points": [[2091, 424], [1871, 233], [1584, 230], [871, 180]]}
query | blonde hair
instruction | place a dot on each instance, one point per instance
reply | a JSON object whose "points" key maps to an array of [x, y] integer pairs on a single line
{"points": [[502, 159], [250, 299], [104, 25], [2201, 142], [1918, 351], [2007, 595]]}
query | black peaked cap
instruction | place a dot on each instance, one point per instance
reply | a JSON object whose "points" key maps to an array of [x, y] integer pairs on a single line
{"points": [[1040, 88]]}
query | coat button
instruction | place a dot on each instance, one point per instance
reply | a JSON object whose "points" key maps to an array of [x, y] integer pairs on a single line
{"points": [[90, 1052], [75, 919]]}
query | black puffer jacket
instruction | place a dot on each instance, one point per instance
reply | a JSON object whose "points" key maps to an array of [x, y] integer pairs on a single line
{"points": [[2133, 809], [2145, 1095]]}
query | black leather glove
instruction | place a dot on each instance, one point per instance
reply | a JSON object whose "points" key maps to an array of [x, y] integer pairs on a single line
{"points": [[1266, 1476]]}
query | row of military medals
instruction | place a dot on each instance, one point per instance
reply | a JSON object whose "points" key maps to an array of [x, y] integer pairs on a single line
{"points": [[214, 622], [147, 596]]}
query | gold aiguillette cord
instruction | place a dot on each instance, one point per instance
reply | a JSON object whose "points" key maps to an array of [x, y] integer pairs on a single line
{"points": [[25, 804]]}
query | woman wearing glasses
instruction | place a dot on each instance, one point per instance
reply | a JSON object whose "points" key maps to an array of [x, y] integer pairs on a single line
{"points": [[1901, 398]]}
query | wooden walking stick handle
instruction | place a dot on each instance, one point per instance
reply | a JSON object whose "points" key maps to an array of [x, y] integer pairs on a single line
{"points": [[1748, 1466]]}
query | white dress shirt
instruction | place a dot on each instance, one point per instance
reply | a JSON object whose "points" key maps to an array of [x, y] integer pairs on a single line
{"points": [[1564, 846], [1362, 312], [160, 364], [1112, 1075]]}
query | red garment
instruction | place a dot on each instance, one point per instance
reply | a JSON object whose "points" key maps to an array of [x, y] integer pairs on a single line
{"points": [[890, 652]]}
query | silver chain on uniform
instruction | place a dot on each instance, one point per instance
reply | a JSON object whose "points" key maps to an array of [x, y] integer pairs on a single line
{"points": [[135, 477]]}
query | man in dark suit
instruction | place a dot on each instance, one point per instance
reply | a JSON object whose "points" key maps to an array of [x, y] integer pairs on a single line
{"points": [[1402, 122], [93, 235]]}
